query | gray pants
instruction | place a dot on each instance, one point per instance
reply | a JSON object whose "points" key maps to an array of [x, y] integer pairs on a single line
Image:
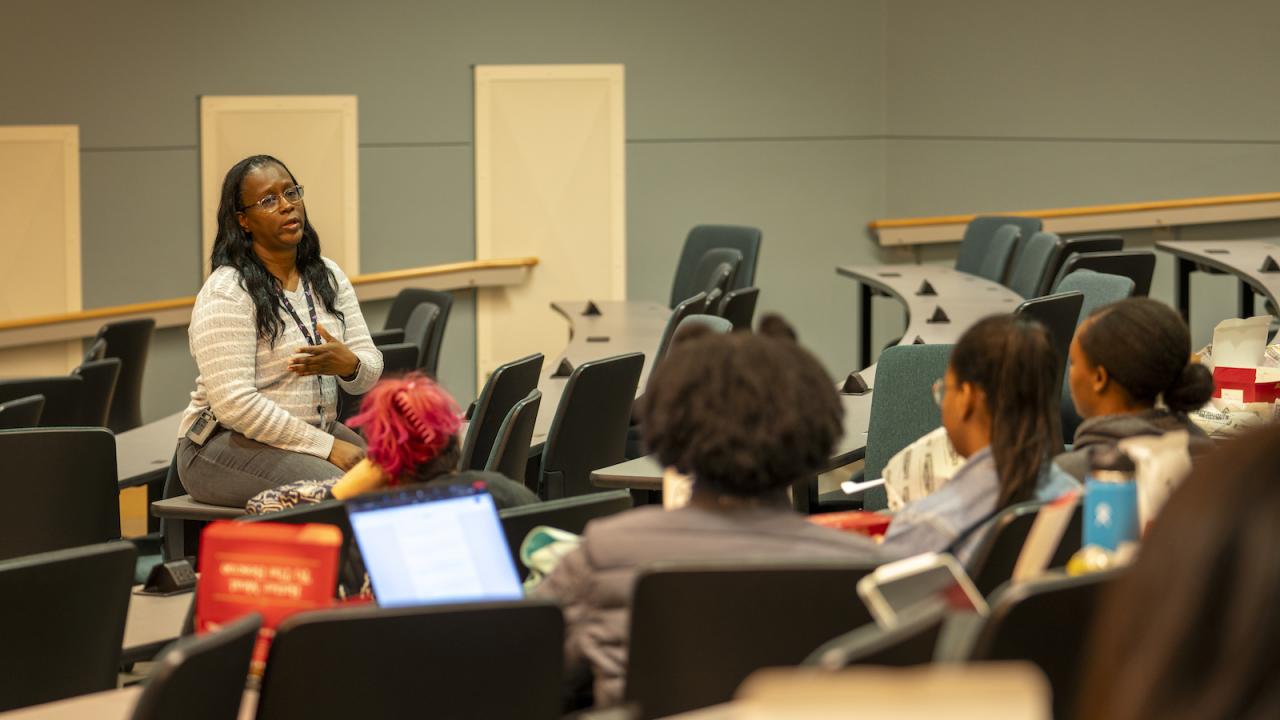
{"points": [[230, 468]]}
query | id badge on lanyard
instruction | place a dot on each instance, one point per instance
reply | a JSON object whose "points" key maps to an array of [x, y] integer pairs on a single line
{"points": [[313, 338]]}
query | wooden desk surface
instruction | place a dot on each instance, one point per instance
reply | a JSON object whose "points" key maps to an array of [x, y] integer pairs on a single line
{"points": [[963, 298], [153, 622], [1243, 258], [645, 473], [146, 450], [622, 327], [106, 705]]}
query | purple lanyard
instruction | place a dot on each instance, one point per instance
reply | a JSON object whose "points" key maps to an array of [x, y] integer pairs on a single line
{"points": [[311, 307], [312, 339]]}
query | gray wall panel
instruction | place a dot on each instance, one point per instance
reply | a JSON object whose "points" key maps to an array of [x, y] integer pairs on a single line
{"points": [[1139, 69], [938, 177], [140, 226], [416, 207], [811, 200]]}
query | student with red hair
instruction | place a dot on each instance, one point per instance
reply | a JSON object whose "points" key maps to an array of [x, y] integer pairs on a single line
{"points": [[411, 426]]}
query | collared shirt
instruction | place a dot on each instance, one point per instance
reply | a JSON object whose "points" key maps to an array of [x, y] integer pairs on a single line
{"points": [[932, 523]]}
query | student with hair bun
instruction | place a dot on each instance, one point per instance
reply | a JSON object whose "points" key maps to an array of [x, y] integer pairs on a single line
{"points": [[411, 426], [999, 401], [744, 415], [1131, 374]]}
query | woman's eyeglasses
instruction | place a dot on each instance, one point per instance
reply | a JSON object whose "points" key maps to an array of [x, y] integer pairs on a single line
{"points": [[272, 201]]}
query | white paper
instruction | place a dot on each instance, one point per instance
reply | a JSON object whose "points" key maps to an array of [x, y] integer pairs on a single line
{"points": [[920, 469], [1163, 462], [1241, 343]]}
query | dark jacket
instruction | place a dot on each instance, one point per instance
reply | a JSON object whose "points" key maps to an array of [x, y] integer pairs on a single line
{"points": [[594, 582], [1107, 430]]}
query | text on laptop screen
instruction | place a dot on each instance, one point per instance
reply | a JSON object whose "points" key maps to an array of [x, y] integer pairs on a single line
{"points": [[434, 545]]}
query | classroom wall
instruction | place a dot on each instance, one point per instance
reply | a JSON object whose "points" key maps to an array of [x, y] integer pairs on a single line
{"points": [[1022, 104], [744, 112], [806, 118]]}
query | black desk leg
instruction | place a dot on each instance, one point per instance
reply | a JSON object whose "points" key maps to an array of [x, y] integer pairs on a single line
{"points": [[864, 326], [1246, 300], [1182, 287], [804, 494]]}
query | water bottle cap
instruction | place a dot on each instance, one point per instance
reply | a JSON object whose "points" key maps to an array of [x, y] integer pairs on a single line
{"points": [[1110, 459]]}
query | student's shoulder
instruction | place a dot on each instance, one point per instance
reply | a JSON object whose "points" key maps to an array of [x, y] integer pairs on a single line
{"points": [[224, 282], [334, 268]]}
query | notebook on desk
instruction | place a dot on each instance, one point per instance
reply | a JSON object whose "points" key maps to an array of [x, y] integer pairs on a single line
{"points": [[434, 544]]}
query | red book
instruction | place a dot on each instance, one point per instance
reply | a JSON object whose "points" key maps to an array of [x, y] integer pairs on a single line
{"points": [[859, 521], [275, 569]]}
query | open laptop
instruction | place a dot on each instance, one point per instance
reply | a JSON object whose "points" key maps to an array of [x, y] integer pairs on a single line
{"points": [[433, 544]]}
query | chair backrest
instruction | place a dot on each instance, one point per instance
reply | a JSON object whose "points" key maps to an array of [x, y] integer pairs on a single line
{"points": [[481, 660], [1002, 538], [571, 514], [62, 490], [100, 380], [397, 359], [698, 630], [419, 329], [1045, 622], [329, 512], [97, 350], [129, 340], [404, 304], [716, 270], [508, 384], [1099, 289], [1001, 248], [510, 452], [21, 412], [694, 305], [739, 307], [902, 407], [1137, 265], [979, 232], [1082, 244], [1059, 313], [746, 240], [63, 397], [589, 430], [201, 677], [1038, 258], [911, 642], [63, 622]]}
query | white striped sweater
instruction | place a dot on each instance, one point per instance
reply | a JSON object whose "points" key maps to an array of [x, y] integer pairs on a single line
{"points": [[246, 381]]}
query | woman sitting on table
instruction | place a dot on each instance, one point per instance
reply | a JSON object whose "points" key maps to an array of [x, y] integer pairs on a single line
{"points": [[1131, 374], [275, 331], [411, 425], [1190, 631], [999, 403], [744, 415]]}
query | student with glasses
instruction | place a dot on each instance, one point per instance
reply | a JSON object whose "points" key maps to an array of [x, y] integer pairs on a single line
{"points": [[999, 401], [275, 331]]}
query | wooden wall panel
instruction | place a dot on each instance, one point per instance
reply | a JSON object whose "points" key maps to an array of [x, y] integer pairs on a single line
{"points": [[551, 183], [39, 238], [315, 136]]}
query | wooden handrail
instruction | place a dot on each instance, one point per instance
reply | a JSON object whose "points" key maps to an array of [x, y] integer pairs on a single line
{"points": [[181, 302], [443, 269], [1084, 210]]}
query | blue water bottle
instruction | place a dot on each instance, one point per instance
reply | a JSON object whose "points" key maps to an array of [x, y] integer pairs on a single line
{"points": [[1110, 500]]}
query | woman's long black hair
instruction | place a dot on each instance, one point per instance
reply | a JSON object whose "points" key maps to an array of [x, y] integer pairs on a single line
{"points": [[234, 247], [1013, 361]]}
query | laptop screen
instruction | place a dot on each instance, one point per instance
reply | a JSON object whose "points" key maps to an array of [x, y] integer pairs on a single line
{"points": [[434, 544]]}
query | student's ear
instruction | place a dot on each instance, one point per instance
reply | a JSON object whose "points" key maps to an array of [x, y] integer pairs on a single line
{"points": [[968, 400], [1101, 380]]}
